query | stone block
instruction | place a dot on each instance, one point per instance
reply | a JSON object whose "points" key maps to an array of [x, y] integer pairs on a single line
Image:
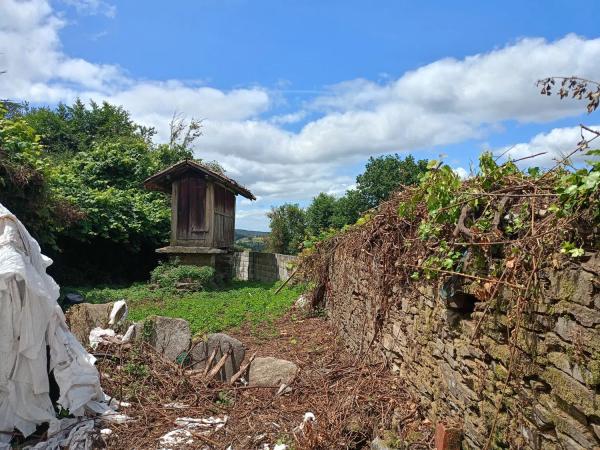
{"points": [[269, 371], [202, 350], [84, 317], [572, 392], [587, 317], [573, 428], [167, 335]]}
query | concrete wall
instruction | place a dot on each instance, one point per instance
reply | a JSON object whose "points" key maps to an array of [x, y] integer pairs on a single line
{"points": [[553, 398], [258, 266]]}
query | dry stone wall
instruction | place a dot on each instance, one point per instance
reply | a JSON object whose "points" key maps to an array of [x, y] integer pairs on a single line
{"points": [[552, 400], [260, 266]]}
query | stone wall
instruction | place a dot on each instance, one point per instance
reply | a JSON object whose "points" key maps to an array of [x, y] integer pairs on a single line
{"points": [[552, 400], [259, 266]]}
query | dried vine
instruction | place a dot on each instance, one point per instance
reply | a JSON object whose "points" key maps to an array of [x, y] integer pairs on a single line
{"points": [[495, 232]]}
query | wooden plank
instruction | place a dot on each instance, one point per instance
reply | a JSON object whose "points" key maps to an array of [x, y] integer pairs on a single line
{"points": [[210, 214], [197, 206], [242, 370], [174, 193], [183, 209], [210, 360], [220, 364]]}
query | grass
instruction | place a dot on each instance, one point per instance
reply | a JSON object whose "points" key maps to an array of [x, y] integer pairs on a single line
{"points": [[238, 303]]}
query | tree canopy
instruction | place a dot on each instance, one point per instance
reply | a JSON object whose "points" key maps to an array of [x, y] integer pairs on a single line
{"points": [[385, 174], [74, 176], [288, 227], [382, 176], [319, 215]]}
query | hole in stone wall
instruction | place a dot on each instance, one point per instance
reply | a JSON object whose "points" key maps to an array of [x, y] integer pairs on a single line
{"points": [[460, 307]]}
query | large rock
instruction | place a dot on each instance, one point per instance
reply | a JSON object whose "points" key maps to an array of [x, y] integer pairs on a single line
{"points": [[269, 371], [202, 350], [84, 317], [167, 335]]}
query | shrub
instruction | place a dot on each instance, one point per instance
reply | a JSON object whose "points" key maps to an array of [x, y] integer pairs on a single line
{"points": [[182, 276]]}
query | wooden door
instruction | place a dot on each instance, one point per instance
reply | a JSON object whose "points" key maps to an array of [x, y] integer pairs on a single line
{"points": [[191, 209], [224, 224]]}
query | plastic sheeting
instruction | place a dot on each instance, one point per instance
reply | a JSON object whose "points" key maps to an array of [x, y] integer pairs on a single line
{"points": [[34, 337]]}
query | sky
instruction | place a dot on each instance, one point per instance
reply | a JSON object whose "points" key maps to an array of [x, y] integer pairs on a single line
{"points": [[295, 96]]}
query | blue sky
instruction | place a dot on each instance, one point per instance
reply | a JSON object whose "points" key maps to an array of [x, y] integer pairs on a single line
{"points": [[296, 95]]}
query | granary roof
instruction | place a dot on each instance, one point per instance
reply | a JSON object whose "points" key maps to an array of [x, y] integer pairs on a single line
{"points": [[162, 180]]}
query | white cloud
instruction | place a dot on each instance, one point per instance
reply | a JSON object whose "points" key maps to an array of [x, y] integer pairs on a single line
{"points": [[461, 172], [442, 103], [290, 118], [93, 7], [555, 146]]}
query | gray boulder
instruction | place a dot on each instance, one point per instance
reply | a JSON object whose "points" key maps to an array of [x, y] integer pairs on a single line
{"points": [[202, 350], [269, 371], [84, 317], [167, 335]]}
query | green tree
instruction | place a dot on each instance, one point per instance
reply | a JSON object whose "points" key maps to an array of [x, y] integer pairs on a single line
{"points": [[84, 188], [24, 172], [288, 228], [320, 213], [385, 174], [349, 208], [70, 129]]}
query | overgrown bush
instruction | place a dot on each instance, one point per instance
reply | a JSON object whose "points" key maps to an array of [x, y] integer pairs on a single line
{"points": [[182, 276]]}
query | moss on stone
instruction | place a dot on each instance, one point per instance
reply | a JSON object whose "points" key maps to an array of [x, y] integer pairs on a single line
{"points": [[148, 329], [500, 371], [567, 289], [572, 392], [593, 365]]}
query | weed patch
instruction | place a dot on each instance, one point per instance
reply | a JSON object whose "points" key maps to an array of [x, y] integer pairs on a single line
{"points": [[208, 311]]}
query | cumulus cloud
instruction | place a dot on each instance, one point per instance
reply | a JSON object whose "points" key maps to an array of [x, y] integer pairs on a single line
{"points": [[442, 103], [551, 147], [461, 172]]}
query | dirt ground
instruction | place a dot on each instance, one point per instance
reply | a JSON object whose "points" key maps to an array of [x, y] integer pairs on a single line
{"points": [[351, 401]]}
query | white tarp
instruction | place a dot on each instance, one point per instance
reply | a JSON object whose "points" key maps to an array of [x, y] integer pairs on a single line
{"points": [[30, 322]]}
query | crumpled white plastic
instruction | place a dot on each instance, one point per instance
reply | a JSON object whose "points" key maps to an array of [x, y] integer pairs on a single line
{"points": [[118, 313], [98, 334], [175, 439], [308, 418], [74, 434], [183, 437], [31, 323], [209, 424]]}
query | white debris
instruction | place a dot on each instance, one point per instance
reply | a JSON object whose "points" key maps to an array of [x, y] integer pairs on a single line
{"points": [[75, 434], [174, 439], [119, 313], [30, 322], [209, 424], [176, 405], [115, 404], [128, 334], [275, 447], [98, 335], [283, 389], [106, 431], [115, 417], [308, 418]]}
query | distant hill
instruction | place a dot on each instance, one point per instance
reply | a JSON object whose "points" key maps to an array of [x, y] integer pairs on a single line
{"points": [[251, 240], [239, 233]]}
